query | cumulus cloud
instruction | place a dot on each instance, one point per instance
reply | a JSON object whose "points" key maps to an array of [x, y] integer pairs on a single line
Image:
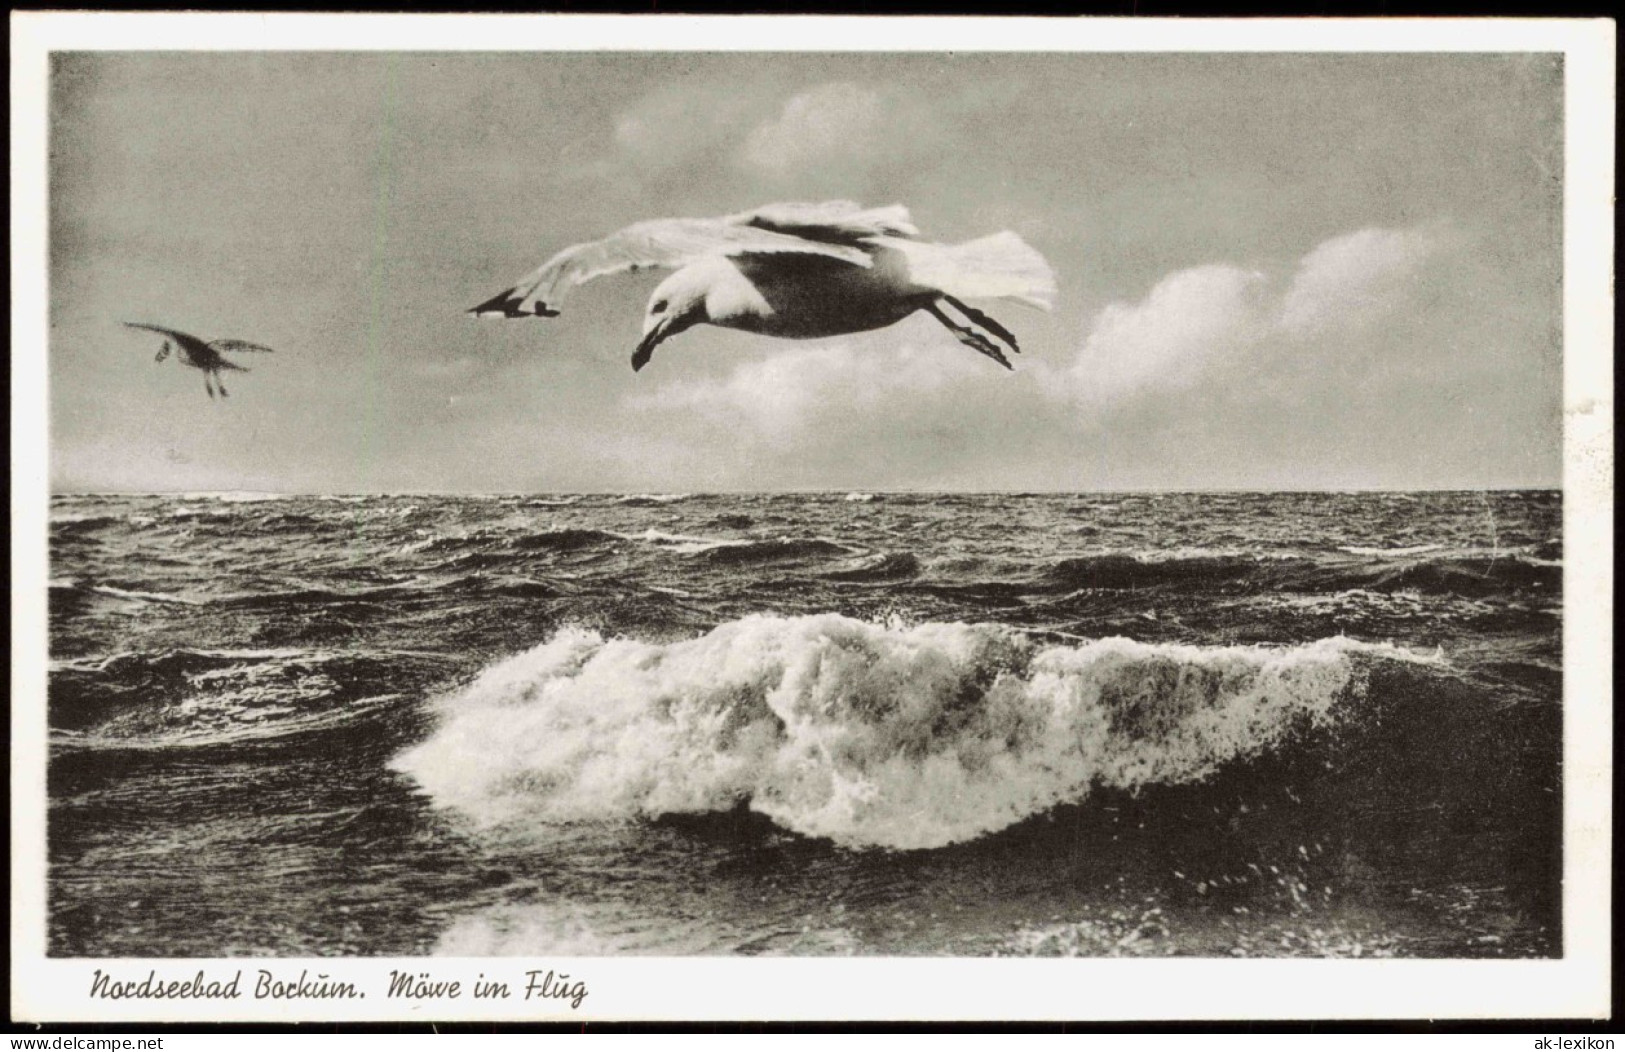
{"points": [[1352, 280], [1199, 320], [669, 127], [1168, 338], [833, 121], [823, 139], [787, 394], [836, 138]]}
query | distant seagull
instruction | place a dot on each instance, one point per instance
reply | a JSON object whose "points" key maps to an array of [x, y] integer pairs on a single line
{"points": [[798, 271], [202, 355]]}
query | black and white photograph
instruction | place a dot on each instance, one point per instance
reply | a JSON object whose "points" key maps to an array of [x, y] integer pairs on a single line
{"points": [[552, 502]]}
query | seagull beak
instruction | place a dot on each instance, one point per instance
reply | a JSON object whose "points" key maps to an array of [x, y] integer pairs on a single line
{"points": [[647, 345]]}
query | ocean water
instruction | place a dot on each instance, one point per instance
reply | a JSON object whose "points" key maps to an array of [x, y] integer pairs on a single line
{"points": [[1291, 724]]}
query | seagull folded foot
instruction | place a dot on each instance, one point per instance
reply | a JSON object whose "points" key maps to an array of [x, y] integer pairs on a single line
{"points": [[971, 338], [985, 322]]}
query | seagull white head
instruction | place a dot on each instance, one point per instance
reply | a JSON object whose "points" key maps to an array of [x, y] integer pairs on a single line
{"points": [[677, 304]]}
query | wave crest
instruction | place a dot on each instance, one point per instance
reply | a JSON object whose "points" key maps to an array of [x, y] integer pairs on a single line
{"points": [[1121, 570], [564, 539], [873, 736], [782, 549]]}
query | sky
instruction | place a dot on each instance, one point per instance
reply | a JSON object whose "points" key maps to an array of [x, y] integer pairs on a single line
{"points": [[1275, 271]]}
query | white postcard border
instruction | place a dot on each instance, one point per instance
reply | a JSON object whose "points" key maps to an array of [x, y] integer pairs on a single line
{"points": [[1577, 986]]}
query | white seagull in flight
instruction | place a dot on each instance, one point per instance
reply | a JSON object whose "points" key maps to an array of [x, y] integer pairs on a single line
{"points": [[798, 271]]}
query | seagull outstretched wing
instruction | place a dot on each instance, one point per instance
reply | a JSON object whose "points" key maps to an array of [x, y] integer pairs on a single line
{"points": [[235, 346], [200, 352], [171, 333], [835, 222], [197, 351], [831, 229]]}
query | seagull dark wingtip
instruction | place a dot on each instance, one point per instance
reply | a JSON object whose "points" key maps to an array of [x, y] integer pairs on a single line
{"points": [[496, 305], [507, 305]]}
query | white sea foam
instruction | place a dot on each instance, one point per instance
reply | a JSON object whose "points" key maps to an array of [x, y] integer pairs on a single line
{"points": [[538, 929], [254, 713], [651, 498], [143, 597], [235, 496], [1417, 549], [1522, 554], [199, 513], [872, 735], [421, 544], [684, 543], [101, 662]]}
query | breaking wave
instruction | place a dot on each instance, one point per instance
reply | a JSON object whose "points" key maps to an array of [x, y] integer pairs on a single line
{"points": [[1473, 575], [1132, 571], [1425, 568], [886, 567], [870, 735], [686, 544]]}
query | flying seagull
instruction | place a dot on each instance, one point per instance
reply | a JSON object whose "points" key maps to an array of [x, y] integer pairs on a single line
{"points": [[798, 271], [203, 355]]}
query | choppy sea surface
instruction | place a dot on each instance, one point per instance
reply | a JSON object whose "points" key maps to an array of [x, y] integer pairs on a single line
{"points": [[1291, 724]]}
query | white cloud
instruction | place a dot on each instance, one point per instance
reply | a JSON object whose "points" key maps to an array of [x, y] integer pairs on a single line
{"points": [[1352, 279], [1199, 320], [1167, 339], [670, 127], [787, 394], [829, 138], [838, 120]]}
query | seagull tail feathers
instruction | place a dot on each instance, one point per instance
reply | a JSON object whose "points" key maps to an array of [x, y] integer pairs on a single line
{"points": [[999, 266]]}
